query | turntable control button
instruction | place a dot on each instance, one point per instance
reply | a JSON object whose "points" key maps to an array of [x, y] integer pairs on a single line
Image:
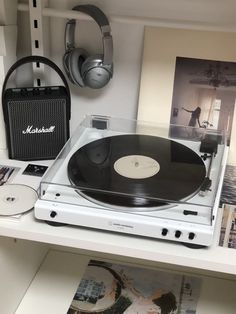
{"points": [[177, 234], [53, 214], [164, 231], [191, 236]]}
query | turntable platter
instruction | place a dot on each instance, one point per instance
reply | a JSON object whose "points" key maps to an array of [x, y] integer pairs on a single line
{"points": [[136, 170]]}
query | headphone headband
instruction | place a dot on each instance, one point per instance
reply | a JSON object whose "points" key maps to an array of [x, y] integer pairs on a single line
{"points": [[94, 12], [103, 23]]}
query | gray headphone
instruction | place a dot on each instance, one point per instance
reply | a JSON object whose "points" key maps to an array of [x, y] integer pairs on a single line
{"points": [[82, 69]]}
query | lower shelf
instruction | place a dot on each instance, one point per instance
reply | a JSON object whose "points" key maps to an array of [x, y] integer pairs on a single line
{"points": [[54, 285]]}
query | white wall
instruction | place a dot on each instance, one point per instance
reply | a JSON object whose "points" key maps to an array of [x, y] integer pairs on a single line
{"points": [[120, 97], [19, 261]]}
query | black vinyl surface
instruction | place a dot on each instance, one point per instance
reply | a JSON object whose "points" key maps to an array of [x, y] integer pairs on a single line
{"points": [[181, 173]]}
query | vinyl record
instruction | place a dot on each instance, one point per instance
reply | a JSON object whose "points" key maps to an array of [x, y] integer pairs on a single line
{"points": [[16, 199], [136, 170]]}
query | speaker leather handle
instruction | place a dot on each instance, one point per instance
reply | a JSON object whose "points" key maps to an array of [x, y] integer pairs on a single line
{"points": [[40, 59]]}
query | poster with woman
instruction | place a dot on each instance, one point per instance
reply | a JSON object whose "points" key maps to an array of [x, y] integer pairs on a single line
{"points": [[204, 95]]}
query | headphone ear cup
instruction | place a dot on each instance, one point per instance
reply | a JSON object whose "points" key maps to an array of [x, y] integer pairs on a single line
{"points": [[94, 73], [75, 60]]}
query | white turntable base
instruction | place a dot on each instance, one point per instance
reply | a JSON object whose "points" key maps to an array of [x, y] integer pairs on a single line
{"points": [[71, 208], [125, 223]]}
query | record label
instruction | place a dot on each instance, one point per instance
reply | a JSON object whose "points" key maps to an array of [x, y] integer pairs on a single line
{"points": [[136, 167], [98, 170], [16, 199]]}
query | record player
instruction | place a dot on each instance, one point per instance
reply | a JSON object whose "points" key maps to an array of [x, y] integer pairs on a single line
{"points": [[127, 176]]}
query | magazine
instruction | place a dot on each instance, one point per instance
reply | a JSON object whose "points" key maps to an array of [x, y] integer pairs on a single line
{"points": [[116, 289], [6, 174], [228, 203]]}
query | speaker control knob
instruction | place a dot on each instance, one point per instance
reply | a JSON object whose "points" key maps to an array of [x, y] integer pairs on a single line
{"points": [[53, 214]]}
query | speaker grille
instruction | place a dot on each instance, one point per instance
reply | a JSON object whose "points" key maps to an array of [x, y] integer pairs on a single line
{"points": [[38, 128]]}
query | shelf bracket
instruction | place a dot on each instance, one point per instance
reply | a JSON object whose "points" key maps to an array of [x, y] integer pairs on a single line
{"points": [[36, 33]]}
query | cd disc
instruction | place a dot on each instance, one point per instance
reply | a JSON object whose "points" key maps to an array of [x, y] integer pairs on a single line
{"points": [[136, 171], [16, 199]]}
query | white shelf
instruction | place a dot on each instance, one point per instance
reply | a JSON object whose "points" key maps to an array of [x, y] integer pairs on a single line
{"points": [[142, 250], [54, 285]]}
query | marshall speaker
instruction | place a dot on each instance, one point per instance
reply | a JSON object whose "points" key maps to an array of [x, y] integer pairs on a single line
{"points": [[36, 118]]}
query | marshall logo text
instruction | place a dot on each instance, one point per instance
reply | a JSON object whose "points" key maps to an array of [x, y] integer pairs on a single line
{"points": [[31, 130]]}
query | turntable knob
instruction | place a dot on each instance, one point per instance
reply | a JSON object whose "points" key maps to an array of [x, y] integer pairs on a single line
{"points": [[164, 231], [191, 236], [177, 234], [53, 214]]}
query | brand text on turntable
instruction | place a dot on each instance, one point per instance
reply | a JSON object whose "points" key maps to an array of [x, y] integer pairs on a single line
{"points": [[31, 130]]}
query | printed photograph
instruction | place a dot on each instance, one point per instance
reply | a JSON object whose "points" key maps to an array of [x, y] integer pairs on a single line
{"points": [[228, 202], [115, 289], [204, 96], [6, 174]]}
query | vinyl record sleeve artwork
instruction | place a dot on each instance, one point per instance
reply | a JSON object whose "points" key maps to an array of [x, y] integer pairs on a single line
{"points": [[107, 288], [161, 47]]}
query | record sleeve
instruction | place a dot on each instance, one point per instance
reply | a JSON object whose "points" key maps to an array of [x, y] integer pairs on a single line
{"points": [[112, 288]]}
